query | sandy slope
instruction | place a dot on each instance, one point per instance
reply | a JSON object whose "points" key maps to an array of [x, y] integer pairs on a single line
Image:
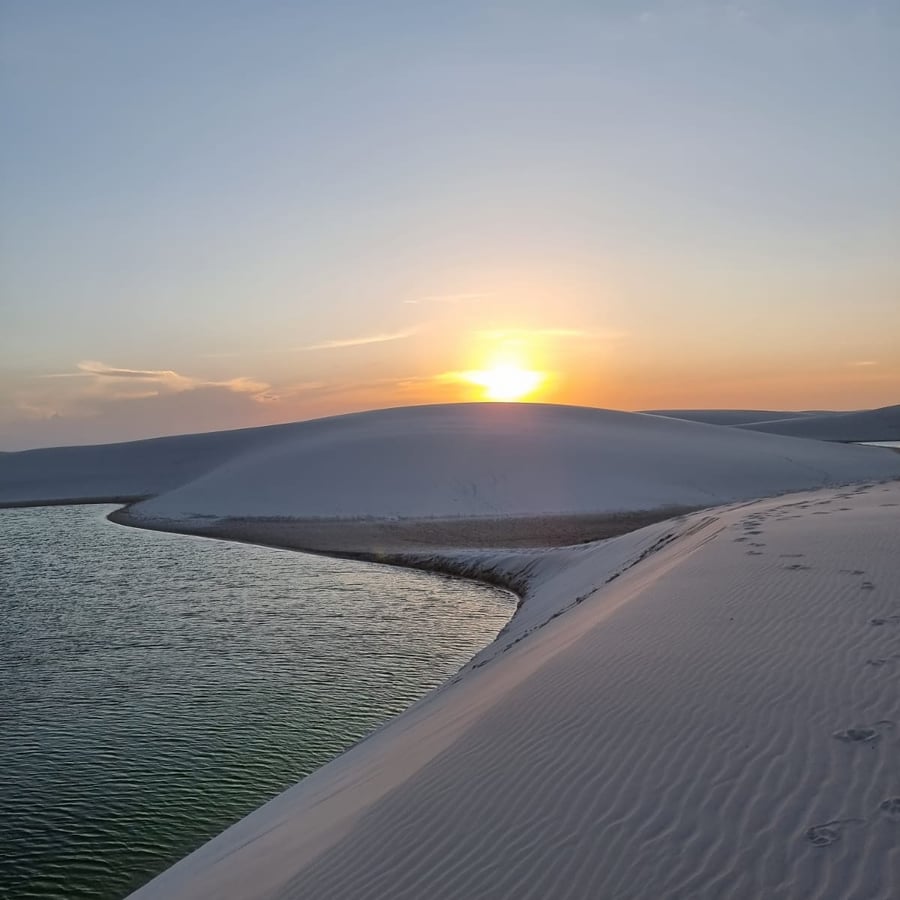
{"points": [[721, 719], [868, 425], [131, 469], [509, 460]]}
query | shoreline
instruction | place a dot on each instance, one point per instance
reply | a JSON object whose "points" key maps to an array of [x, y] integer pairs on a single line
{"points": [[127, 499], [428, 545]]}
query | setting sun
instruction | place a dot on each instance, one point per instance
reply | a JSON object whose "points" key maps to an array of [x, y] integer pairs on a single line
{"points": [[506, 381]]}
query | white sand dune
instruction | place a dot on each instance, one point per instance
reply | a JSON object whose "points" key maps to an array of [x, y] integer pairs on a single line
{"points": [[130, 469], [867, 425], [446, 460], [729, 416], [500, 460], [721, 719]]}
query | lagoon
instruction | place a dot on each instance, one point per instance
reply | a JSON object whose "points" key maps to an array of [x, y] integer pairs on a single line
{"points": [[154, 688]]}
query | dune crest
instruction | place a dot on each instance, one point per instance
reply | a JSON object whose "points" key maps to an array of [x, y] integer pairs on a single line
{"points": [[866, 425]]}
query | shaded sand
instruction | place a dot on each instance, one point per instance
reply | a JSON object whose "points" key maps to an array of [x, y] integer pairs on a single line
{"points": [[377, 538], [704, 708]]}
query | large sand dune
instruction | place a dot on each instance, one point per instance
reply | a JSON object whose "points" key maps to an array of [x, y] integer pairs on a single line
{"points": [[705, 708], [502, 460], [434, 461]]}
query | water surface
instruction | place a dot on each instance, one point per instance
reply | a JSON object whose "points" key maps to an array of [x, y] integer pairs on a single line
{"points": [[155, 688]]}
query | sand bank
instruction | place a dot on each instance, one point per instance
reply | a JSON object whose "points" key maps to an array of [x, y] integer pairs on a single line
{"points": [[376, 538], [705, 707]]}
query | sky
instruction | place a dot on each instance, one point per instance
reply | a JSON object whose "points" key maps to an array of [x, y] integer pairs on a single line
{"points": [[222, 214]]}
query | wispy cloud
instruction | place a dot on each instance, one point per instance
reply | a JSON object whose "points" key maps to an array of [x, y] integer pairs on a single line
{"points": [[290, 391], [111, 381], [865, 362], [94, 370], [381, 338], [241, 385], [98, 368]]}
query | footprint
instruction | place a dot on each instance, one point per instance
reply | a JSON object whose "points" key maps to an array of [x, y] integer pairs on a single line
{"points": [[891, 808], [867, 586], [887, 620], [865, 734], [791, 555], [851, 571], [756, 544], [740, 540], [797, 567], [754, 553], [829, 832], [879, 661], [857, 735]]}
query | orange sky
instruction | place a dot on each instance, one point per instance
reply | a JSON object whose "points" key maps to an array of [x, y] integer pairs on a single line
{"points": [[284, 212]]}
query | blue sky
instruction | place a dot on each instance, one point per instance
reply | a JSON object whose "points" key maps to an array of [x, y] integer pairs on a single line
{"points": [[219, 214]]}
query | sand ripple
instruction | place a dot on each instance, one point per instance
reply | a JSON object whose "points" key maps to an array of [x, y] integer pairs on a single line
{"points": [[710, 724]]}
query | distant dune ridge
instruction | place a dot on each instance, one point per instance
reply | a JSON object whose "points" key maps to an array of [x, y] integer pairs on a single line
{"points": [[882, 424], [728, 416], [704, 707], [867, 425]]}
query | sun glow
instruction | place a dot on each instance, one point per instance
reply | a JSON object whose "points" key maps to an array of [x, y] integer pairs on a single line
{"points": [[506, 381]]}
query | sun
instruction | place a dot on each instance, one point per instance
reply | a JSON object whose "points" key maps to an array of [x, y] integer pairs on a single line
{"points": [[506, 381]]}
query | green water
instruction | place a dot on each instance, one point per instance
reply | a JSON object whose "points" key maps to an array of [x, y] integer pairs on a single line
{"points": [[155, 688]]}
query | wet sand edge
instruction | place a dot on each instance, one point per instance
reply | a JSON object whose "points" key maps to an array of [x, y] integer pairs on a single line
{"points": [[415, 543]]}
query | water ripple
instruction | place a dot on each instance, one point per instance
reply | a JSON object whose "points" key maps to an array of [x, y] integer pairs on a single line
{"points": [[155, 688]]}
